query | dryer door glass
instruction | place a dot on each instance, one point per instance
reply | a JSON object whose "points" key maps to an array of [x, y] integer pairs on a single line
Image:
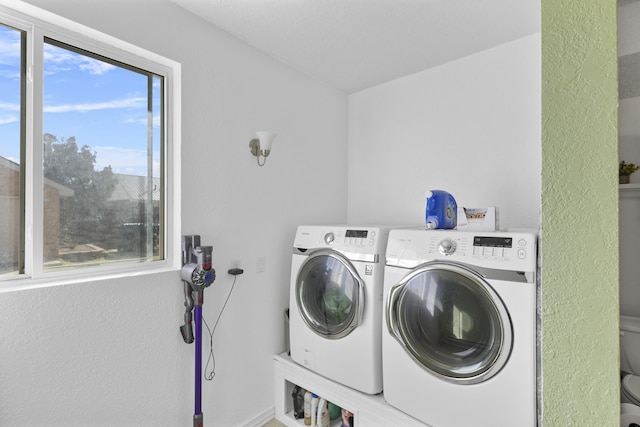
{"points": [[329, 294], [451, 322]]}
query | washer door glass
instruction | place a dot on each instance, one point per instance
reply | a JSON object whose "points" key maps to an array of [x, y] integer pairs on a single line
{"points": [[330, 294], [451, 322]]}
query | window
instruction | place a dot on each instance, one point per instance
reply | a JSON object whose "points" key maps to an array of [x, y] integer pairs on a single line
{"points": [[11, 125], [86, 144]]}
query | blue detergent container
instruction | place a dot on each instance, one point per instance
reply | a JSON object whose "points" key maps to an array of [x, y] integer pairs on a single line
{"points": [[442, 210]]}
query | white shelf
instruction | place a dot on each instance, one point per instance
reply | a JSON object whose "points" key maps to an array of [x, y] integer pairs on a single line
{"points": [[629, 190], [290, 420], [368, 410]]}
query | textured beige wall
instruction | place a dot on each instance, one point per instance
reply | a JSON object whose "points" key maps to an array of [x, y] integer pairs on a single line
{"points": [[579, 214]]}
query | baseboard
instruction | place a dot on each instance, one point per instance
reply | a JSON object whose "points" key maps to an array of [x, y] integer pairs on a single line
{"points": [[261, 419]]}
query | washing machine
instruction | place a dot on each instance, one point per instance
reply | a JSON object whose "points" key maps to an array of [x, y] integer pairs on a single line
{"points": [[335, 311], [459, 336]]}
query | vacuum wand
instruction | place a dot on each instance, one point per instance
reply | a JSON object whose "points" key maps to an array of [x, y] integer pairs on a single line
{"points": [[197, 274]]}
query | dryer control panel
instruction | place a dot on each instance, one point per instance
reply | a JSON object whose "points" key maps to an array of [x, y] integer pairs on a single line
{"points": [[504, 247], [501, 250]]}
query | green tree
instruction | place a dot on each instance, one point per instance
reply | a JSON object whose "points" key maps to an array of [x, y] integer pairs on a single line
{"points": [[84, 218]]}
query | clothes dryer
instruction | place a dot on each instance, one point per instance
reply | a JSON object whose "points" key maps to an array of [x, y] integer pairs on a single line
{"points": [[335, 314], [459, 341]]}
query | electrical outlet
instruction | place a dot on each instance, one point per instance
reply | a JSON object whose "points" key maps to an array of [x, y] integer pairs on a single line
{"points": [[261, 264]]}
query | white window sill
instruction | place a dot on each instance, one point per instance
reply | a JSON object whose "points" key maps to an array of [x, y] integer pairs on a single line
{"points": [[20, 283]]}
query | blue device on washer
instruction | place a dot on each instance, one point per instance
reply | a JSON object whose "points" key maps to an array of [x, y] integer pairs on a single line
{"points": [[442, 210]]}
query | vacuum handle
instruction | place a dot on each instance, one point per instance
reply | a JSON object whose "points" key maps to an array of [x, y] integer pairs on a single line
{"points": [[187, 330], [187, 333]]}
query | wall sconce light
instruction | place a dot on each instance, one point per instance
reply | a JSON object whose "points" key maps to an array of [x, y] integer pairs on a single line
{"points": [[261, 146]]}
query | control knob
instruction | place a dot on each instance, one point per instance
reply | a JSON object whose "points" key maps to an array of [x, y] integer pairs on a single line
{"points": [[447, 247]]}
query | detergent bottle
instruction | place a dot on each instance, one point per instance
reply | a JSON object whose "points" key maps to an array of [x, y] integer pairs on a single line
{"points": [[442, 210], [324, 418], [297, 396], [314, 410]]}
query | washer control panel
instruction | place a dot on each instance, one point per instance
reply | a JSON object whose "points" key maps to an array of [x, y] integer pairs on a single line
{"points": [[348, 239], [359, 238], [351, 238]]}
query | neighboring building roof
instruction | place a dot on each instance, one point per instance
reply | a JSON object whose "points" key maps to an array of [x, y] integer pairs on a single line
{"points": [[134, 187], [62, 190], [129, 187], [6, 163]]}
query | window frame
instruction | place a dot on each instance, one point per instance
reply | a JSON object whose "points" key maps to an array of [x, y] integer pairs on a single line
{"points": [[38, 25]]}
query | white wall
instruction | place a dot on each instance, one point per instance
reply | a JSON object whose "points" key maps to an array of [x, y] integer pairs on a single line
{"points": [[109, 353], [471, 127]]}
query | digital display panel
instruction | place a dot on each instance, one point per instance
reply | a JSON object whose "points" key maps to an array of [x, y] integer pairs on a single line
{"points": [[358, 234], [493, 242]]}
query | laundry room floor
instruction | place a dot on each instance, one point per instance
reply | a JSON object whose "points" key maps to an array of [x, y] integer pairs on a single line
{"points": [[274, 423]]}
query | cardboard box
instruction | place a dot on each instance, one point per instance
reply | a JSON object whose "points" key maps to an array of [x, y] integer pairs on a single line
{"points": [[477, 219]]}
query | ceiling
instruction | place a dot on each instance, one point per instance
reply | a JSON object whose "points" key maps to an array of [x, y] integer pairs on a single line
{"points": [[356, 44]]}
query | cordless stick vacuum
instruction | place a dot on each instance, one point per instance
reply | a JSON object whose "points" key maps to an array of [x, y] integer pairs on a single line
{"points": [[197, 274]]}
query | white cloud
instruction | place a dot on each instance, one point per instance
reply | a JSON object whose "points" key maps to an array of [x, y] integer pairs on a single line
{"points": [[59, 60], [11, 74], [95, 67], [8, 119], [143, 120], [10, 47], [108, 105], [9, 106], [124, 160]]}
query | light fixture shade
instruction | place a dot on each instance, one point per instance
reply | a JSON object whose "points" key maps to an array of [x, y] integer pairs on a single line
{"points": [[266, 138]]}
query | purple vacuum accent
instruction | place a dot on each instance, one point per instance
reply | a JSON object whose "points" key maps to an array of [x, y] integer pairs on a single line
{"points": [[198, 350], [196, 274]]}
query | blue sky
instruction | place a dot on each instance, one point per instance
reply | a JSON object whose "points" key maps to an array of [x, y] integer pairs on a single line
{"points": [[101, 105]]}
